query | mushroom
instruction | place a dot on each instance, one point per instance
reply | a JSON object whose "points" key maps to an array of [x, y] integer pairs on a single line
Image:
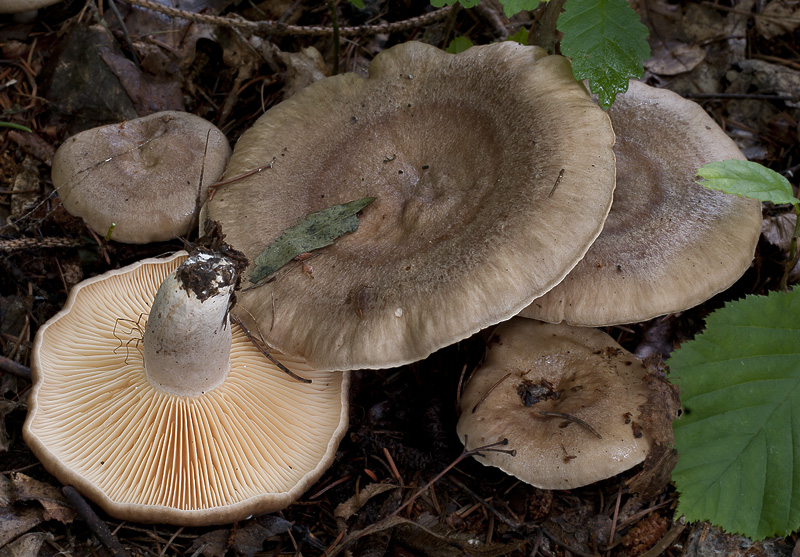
{"points": [[477, 161], [668, 243], [143, 180], [168, 413], [567, 399], [26, 7]]}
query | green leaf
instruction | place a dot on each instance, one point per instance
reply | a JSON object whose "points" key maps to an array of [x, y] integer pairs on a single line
{"points": [[458, 44], [465, 3], [358, 4], [607, 44], [315, 231], [520, 36], [739, 437], [513, 7], [747, 179]]}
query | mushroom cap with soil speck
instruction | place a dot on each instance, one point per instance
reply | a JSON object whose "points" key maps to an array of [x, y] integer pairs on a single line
{"points": [[668, 243], [567, 399], [478, 162], [251, 442], [142, 175]]}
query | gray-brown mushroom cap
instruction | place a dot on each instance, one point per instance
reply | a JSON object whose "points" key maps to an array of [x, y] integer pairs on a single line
{"points": [[251, 445], [567, 399], [668, 243], [147, 176], [20, 6], [480, 164]]}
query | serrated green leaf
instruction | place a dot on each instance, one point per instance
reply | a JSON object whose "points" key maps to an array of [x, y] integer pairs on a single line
{"points": [[316, 231], [520, 37], [358, 4], [607, 44], [458, 44], [747, 179], [739, 437], [513, 7], [465, 3]]}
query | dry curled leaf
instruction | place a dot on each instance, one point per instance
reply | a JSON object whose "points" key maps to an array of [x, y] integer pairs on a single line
{"points": [[351, 506], [50, 497], [778, 18]]}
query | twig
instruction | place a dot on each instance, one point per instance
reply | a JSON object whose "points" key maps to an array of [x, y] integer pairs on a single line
{"points": [[393, 466], [38, 243], [572, 419], [213, 187], [336, 45], [668, 539], [279, 28], [266, 354], [97, 526], [493, 387], [15, 369], [616, 515], [464, 454], [750, 96], [125, 34], [518, 527], [566, 546]]}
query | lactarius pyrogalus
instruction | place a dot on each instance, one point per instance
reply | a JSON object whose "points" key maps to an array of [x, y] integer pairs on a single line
{"points": [[668, 243], [145, 179], [169, 413], [568, 399], [478, 162]]}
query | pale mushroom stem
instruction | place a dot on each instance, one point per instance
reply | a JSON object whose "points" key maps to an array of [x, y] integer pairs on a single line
{"points": [[187, 339]]}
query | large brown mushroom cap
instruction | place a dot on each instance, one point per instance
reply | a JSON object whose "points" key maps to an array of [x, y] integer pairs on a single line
{"points": [[668, 243], [251, 445], [538, 383], [492, 172], [143, 175]]}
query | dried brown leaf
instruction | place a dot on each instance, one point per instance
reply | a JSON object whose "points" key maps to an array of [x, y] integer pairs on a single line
{"points": [[15, 522], [6, 406], [210, 544], [26, 545], [351, 506], [778, 18], [50, 497], [674, 57], [427, 535]]}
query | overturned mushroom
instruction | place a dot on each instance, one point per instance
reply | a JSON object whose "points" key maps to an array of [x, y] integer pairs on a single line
{"points": [[143, 180], [168, 413], [668, 243], [477, 161], [567, 399]]}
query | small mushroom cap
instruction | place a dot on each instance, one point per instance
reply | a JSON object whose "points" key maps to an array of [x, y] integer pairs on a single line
{"points": [[668, 243], [577, 383], [252, 445], [462, 153], [143, 174], [20, 6]]}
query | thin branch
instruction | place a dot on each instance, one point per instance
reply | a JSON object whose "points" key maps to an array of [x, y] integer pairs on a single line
{"points": [[97, 526], [266, 354], [272, 27], [15, 369]]}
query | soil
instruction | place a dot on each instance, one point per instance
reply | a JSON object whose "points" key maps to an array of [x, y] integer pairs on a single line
{"points": [[75, 66]]}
